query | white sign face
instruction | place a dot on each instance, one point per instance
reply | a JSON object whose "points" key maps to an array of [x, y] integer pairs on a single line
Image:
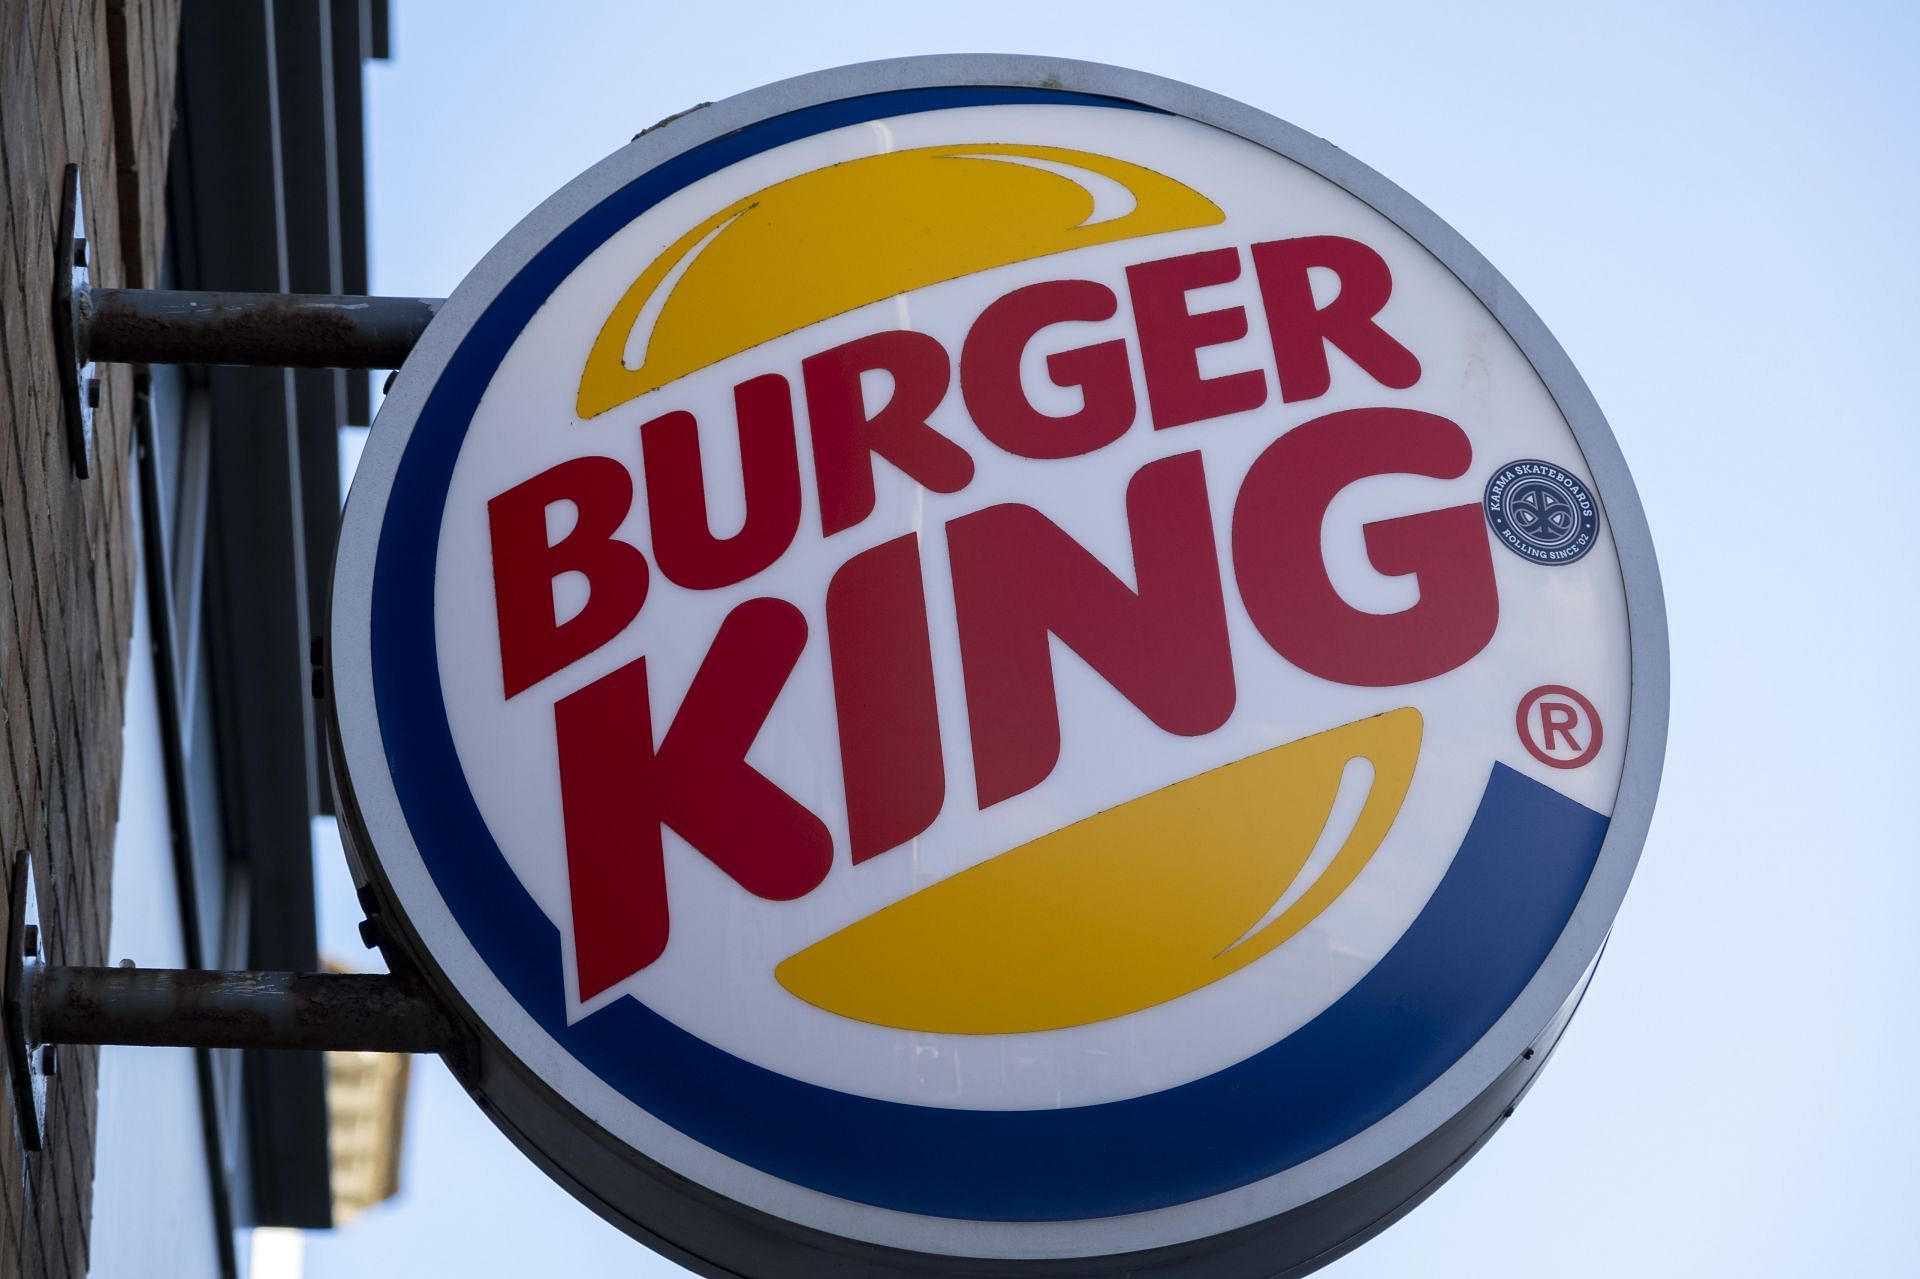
{"points": [[997, 666]]}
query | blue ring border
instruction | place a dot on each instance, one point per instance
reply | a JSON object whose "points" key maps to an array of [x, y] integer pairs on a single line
{"points": [[1525, 862]]}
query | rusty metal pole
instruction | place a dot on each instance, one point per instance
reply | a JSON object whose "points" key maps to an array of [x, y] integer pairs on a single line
{"points": [[277, 330], [44, 1005], [190, 1008], [170, 326]]}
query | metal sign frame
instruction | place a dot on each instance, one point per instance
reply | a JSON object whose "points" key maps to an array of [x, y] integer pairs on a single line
{"points": [[546, 1102]]}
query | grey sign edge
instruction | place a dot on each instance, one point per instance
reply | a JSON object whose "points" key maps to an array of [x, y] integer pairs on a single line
{"points": [[1369, 1180]]}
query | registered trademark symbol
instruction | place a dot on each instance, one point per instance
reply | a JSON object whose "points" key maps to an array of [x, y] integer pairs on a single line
{"points": [[1559, 727]]}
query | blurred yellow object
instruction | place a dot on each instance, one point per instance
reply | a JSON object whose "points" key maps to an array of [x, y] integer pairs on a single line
{"points": [[366, 1118]]}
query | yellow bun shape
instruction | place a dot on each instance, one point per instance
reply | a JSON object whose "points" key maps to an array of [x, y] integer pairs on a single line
{"points": [[1127, 909], [831, 240]]}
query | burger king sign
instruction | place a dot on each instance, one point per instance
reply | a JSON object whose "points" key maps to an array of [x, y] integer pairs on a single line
{"points": [[994, 666]]}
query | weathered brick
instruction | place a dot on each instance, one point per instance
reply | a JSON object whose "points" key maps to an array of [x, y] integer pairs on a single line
{"points": [[43, 410], [106, 664], [16, 27], [55, 147], [65, 70], [79, 857], [55, 871], [60, 736], [112, 539], [8, 798], [45, 746], [13, 329], [19, 723], [21, 118], [12, 1202], [33, 1252], [88, 81], [19, 554]]}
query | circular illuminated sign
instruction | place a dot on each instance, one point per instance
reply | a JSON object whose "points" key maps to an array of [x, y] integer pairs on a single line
{"points": [[971, 664]]}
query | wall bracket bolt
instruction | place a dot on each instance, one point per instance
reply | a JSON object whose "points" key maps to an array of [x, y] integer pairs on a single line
{"points": [[72, 290], [27, 1065]]}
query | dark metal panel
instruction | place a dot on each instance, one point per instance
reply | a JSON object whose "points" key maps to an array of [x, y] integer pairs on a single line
{"points": [[310, 173], [194, 431], [303, 32], [350, 44], [379, 43], [256, 577]]}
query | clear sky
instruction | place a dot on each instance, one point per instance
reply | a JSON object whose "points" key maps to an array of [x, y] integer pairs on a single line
{"points": [[1712, 206]]}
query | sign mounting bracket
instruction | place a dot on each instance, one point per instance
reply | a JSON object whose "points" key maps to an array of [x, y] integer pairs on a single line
{"points": [[46, 1005], [94, 325]]}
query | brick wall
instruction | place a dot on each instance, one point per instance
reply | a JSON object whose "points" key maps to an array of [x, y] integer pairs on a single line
{"points": [[88, 82]]}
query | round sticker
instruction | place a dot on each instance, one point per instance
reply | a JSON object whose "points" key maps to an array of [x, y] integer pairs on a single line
{"points": [[1542, 512], [920, 653]]}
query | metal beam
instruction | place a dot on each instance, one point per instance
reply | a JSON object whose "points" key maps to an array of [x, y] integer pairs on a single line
{"points": [[314, 214], [273, 330], [188, 1008], [229, 159]]}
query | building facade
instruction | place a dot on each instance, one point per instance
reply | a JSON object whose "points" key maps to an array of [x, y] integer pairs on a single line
{"points": [[160, 755]]}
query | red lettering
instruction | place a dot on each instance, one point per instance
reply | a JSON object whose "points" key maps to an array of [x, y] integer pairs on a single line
{"points": [[1283, 580], [1558, 720], [990, 373], [1171, 338], [1302, 332], [617, 791], [1018, 578], [890, 754], [684, 546], [534, 643], [845, 439]]}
